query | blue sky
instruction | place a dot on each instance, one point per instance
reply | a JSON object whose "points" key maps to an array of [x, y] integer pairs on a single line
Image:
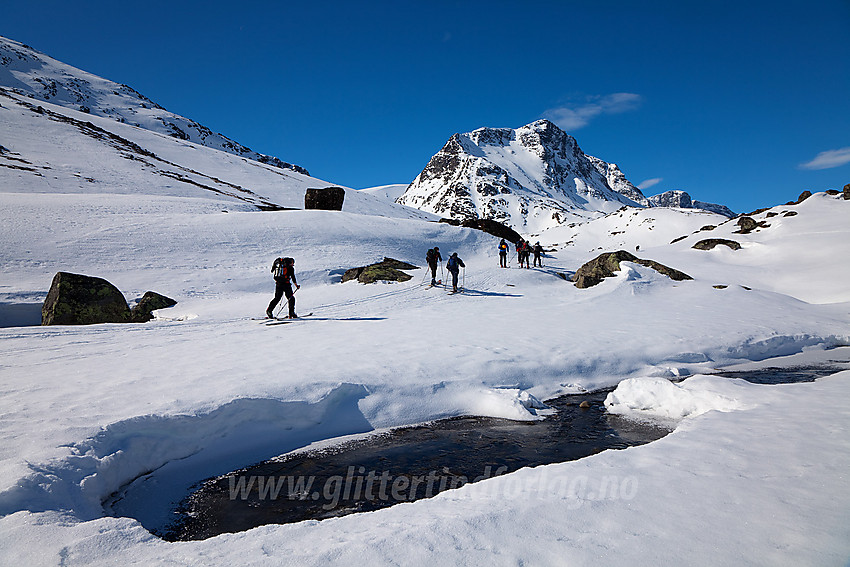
{"points": [[741, 103]]}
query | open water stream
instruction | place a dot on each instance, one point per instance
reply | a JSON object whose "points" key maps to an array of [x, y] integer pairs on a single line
{"points": [[405, 464]]}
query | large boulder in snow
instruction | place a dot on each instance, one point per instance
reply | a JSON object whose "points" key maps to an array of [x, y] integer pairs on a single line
{"points": [[76, 299], [150, 302], [604, 266], [327, 199], [387, 270], [847, 192], [710, 243]]}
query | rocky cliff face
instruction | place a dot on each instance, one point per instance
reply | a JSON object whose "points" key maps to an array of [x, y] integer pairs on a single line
{"points": [[682, 200], [529, 178], [25, 71]]}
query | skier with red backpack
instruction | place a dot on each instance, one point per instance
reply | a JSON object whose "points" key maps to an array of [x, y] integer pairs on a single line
{"points": [[283, 270]]}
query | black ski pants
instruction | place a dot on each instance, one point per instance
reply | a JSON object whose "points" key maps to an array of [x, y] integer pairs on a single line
{"points": [[283, 287], [433, 267]]}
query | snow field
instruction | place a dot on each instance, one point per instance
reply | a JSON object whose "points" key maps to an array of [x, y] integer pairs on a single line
{"points": [[753, 475]]}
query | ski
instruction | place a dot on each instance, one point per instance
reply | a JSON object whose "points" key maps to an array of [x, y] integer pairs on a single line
{"points": [[282, 320]]}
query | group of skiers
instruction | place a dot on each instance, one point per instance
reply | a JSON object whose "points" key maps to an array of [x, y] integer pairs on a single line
{"points": [[524, 250], [283, 270], [453, 265]]}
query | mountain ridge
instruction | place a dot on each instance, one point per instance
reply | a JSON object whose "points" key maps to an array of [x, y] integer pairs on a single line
{"points": [[26, 71], [530, 178]]}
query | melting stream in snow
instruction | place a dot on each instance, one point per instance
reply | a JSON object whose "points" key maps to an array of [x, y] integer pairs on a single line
{"points": [[410, 463], [401, 465]]}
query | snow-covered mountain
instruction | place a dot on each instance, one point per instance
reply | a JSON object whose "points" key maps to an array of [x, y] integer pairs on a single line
{"points": [[682, 200], [531, 178], [25, 71]]}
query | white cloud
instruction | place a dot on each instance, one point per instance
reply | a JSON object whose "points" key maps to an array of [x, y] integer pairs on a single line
{"points": [[828, 159], [647, 183], [576, 115]]}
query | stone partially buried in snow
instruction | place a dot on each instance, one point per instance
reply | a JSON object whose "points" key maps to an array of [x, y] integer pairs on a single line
{"points": [[76, 299], [327, 199], [150, 302], [710, 243], [387, 270], [604, 266]]}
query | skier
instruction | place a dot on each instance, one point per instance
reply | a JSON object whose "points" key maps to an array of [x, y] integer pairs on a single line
{"points": [[525, 252], [453, 266], [519, 246], [283, 270], [503, 254], [432, 257], [538, 251]]}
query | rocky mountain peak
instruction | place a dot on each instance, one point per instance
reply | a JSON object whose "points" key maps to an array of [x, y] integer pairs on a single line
{"points": [[528, 178]]}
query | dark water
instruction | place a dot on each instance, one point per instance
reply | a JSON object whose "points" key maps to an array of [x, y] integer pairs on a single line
{"points": [[410, 463], [782, 375], [401, 465]]}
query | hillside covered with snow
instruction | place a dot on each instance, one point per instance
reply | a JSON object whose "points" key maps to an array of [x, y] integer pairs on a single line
{"points": [[25, 71]]}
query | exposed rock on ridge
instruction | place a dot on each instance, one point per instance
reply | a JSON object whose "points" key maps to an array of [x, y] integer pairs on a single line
{"points": [[604, 266]]}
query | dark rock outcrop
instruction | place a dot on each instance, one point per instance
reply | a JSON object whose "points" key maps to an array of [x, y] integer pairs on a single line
{"points": [[710, 243], [387, 270], [327, 199], [76, 299], [489, 226], [803, 196], [150, 302], [747, 224], [604, 266], [847, 192]]}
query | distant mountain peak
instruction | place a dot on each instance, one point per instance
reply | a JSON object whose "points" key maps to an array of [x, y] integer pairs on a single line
{"points": [[529, 178], [682, 200], [28, 72]]}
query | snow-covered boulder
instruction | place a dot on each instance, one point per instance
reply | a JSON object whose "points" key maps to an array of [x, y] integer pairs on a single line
{"points": [[658, 398], [604, 266], [710, 243], [388, 269]]}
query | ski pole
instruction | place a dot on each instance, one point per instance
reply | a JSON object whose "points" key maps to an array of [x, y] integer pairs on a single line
{"points": [[281, 304]]}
